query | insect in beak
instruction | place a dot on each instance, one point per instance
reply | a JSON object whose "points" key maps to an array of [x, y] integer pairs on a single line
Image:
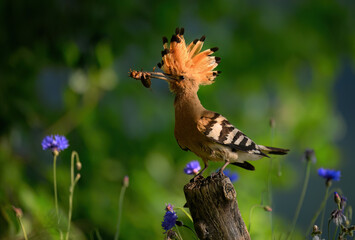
{"points": [[145, 77]]}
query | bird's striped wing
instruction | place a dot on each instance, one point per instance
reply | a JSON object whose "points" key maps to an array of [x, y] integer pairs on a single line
{"points": [[217, 128]]}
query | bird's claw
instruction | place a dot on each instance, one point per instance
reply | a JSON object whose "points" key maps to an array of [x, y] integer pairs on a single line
{"points": [[219, 172], [197, 177]]}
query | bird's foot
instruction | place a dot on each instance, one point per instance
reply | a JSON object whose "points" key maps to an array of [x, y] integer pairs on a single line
{"points": [[197, 177], [220, 172], [217, 174]]}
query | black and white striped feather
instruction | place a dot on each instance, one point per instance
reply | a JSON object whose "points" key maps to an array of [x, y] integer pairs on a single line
{"points": [[218, 129]]}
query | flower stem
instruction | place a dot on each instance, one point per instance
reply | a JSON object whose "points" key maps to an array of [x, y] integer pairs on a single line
{"points": [[120, 203], [178, 232], [55, 184], [23, 229], [300, 202], [71, 189], [321, 207], [195, 235], [335, 232], [186, 213], [250, 213], [98, 235], [269, 191], [269, 182], [325, 204]]}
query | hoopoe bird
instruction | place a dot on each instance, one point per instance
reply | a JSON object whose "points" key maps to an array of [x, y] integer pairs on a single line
{"points": [[207, 134]]}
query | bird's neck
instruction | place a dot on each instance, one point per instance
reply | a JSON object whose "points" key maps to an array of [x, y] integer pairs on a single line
{"points": [[188, 105]]}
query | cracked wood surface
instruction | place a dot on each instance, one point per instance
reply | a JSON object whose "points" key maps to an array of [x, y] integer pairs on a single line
{"points": [[214, 209]]}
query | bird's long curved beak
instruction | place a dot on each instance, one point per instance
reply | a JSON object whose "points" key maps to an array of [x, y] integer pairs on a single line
{"points": [[140, 75], [162, 76]]}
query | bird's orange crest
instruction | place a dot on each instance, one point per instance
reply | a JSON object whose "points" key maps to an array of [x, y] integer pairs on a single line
{"points": [[179, 59]]}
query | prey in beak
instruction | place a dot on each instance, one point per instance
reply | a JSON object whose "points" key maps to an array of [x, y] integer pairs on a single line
{"points": [[145, 77]]}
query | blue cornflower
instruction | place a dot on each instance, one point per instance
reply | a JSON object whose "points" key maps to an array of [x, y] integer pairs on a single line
{"points": [[329, 174], [192, 168], [170, 218], [55, 144], [233, 176]]}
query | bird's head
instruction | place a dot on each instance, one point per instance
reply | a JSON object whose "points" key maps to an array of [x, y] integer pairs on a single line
{"points": [[184, 67]]}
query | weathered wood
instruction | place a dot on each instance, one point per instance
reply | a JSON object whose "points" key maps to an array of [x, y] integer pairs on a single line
{"points": [[214, 209]]}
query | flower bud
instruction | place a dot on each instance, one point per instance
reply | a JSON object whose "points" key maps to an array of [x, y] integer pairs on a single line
{"points": [[18, 211], [316, 230], [179, 223], [125, 181], [169, 207], [78, 165], [77, 177], [337, 198], [343, 202], [268, 208], [310, 155]]}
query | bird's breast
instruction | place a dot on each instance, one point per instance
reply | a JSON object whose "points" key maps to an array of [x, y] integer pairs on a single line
{"points": [[188, 136]]}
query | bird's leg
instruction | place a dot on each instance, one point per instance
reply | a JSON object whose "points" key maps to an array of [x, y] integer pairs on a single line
{"points": [[205, 161], [223, 167], [200, 173]]}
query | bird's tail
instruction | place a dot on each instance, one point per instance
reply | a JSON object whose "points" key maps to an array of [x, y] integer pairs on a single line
{"points": [[273, 150]]}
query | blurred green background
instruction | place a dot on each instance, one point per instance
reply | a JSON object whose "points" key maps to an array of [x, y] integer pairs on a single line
{"points": [[64, 70]]}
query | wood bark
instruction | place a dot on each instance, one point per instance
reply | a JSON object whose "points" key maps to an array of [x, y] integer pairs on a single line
{"points": [[214, 209]]}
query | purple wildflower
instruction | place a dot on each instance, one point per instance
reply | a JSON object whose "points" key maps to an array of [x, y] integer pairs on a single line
{"points": [[192, 168], [170, 218], [55, 144]]}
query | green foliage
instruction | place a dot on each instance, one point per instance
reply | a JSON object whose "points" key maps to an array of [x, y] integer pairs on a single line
{"points": [[64, 69]]}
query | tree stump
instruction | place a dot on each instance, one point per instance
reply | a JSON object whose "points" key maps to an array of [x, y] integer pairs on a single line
{"points": [[214, 209]]}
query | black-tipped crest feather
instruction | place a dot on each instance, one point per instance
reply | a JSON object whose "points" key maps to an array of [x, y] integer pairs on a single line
{"points": [[175, 38], [214, 49]]}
